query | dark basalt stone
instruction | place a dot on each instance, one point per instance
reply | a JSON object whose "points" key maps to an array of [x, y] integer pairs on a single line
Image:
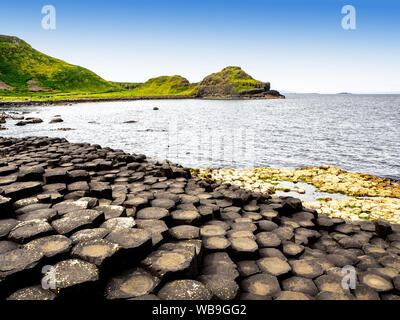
{"points": [[163, 203], [70, 206], [31, 208], [6, 246], [220, 263], [34, 293], [261, 284], [26, 231], [18, 268], [100, 190], [55, 248], [111, 211], [363, 292], [137, 283], [252, 296], [171, 262], [102, 253], [244, 248], [78, 175], [292, 250], [5, 207], [274, 266], [20, 190], [221, 287], [328, 295], [268, 239], [77, 220], [266, 225], [8, 179], [382, 228], [306, 268], [272, 252], [153, 213], [89, 234], [300, 284], [157, 228], [376, 282], [184, 290], [186, 217], [289, 206], [115, 224], [137, 202], [247, 268], [31, 173], [57, 175], [6, 225], [78, 186], [292, 295], [75, 279], [134, 245], [6, 170], [214, 244], [184, 232]]}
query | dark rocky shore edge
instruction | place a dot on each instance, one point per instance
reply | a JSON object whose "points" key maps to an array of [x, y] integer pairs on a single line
{"points": [[272, 95], [105, 224]]}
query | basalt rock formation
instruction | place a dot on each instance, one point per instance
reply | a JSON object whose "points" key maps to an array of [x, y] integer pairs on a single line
{"points": [[78, 221]]}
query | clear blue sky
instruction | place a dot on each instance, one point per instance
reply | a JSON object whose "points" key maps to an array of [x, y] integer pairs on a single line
{"points": [[296, 45]]}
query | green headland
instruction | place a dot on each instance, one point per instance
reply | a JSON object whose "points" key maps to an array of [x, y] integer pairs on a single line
{"points": [[29, 75]]}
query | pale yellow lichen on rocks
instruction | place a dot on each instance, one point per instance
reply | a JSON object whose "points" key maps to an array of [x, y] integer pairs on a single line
{"points": [[326, 179], [359, 208]]}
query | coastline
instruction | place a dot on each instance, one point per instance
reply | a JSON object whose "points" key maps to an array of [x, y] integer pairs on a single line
{"points": [[335, 192], [96, 100]]}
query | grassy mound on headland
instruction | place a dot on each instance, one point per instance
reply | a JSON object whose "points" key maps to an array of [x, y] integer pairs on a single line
{"points": [[231, 81], [165, 85]]}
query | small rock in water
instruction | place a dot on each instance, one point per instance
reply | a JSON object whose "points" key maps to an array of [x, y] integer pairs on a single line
{"points": [[56, 120]]}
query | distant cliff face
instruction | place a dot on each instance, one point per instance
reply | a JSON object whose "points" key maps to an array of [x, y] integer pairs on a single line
{"points": [[233, 82]]}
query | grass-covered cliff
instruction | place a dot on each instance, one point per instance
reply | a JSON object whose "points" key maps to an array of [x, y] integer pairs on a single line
{"points": [[27, 74], [233, 82], [23, 68]]}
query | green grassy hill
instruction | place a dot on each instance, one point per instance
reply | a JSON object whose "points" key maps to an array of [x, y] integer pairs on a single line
{"points": [[23, 68], [27, 74], [231, 81], [165, 85]]}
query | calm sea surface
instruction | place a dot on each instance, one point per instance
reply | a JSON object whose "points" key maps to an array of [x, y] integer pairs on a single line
{"points": [[354, 132]]}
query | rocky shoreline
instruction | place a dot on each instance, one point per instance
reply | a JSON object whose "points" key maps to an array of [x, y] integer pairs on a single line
{"points": [[96, 100], [104, 224], [367, 197]]}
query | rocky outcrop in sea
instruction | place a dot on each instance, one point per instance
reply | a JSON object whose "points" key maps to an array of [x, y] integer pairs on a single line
{"points": [[79, 221]]}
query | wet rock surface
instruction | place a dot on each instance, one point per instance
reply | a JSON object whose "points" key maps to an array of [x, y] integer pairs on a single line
{"points": [[105, 224]]}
